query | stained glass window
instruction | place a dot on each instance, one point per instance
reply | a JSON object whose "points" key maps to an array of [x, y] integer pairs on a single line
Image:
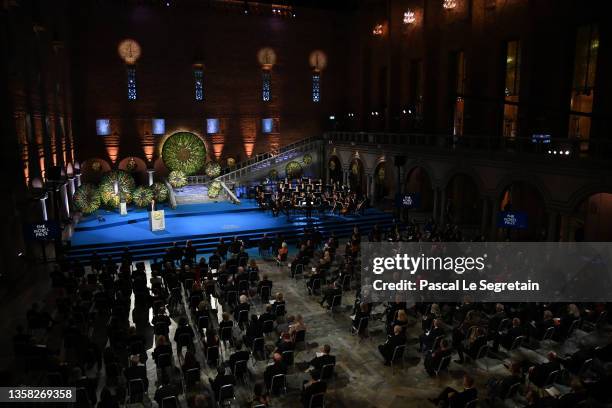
{"points": [[316, 87], [199, 84], [266, 91], [131, 83]]}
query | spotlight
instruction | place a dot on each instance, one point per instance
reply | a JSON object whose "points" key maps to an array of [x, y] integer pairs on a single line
{"points": [[332, 117], [404, 111]]}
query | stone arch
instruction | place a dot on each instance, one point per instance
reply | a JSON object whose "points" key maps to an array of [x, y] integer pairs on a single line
{"points": [[590, 215], [419, 180], [463, 199], [334, 166], [92, 169]]}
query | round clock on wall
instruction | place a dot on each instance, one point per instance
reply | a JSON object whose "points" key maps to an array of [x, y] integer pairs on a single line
{"points": [[129, 51]]}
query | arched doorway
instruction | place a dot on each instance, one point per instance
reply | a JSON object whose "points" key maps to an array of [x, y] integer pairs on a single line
{"points": [[463, 203], [356, 176], [591, 220], [335, 170], [523, 204], [380, 182], [418, 181]]}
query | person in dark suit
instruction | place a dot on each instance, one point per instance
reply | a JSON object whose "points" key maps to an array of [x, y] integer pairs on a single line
{"points": [[267, 315], [387, 349], [497, 318], [238, 355], [265, 282], [329, 293], [427, 339], [136, 371], [539, 373], [167, 389], [183, 329], [507, 338], [324, 359], [277, 367], [314, 387], [433, 359], [253, 330], [450, 397], [499, 387], [220, 380], [543, 325]]}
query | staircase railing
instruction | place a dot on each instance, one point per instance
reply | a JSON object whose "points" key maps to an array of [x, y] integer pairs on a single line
{"points": [[172, 197], [230, 193], [270, 157]]}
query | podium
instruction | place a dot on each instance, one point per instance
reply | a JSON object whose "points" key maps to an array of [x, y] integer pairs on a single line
{"points": [[157, 220]]}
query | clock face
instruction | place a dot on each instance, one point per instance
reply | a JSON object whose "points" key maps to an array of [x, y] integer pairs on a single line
{"points": [[266, 56], [129, 51], [318, 60]]}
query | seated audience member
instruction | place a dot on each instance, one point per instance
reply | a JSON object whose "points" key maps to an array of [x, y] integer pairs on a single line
{"points": [[279, 306], [253, 271], [362, 311], [212, 340], [542, 326], [190, 362], [472, 345], [165, 390], [313, 387], [450, 397], [433, 359], [184, 328], [282, 252], [224, 324], [277, 367], [265, 282], [285, 343], [253, 330], [136, 371], [574, 362], [427, 339], [243, 305], [497, 318], [314, 281], [577, 395], [162, 347], [322, 359], [397, 339], [499, 387], [238, 355], [567, 320], [260, 396], [267, 315], [264, 244], [329, 293], [220, 380], [507, 338], [539, 374], [401, 320], [297, 325]]}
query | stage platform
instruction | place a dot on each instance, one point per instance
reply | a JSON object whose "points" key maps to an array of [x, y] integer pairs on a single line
{"points": [[203, 224]]}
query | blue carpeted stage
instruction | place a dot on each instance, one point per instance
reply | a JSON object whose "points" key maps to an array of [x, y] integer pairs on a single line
{"points": [[204, 224]]}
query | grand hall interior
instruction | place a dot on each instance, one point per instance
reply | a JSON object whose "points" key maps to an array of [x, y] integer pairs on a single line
{"points": [[190, 188]]}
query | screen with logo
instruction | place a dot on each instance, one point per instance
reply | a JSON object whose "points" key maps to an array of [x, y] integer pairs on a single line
{"points": [[512, 219], [409, 200], [43, 231]]}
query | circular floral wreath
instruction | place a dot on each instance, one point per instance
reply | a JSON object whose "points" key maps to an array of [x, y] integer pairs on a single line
{"points": [[231, 162], [214, 189], [184, 151], [307, 159], [213, 169], [143, 196], [160, 192], [131, 165], [87, 198], [177, 179], [96, 166], [125, 187], [293, 169]]}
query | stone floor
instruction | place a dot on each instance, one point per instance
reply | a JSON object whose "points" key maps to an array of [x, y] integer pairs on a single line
{"points": [[362, 379]]}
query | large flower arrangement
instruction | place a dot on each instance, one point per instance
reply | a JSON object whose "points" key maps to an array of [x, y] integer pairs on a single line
{"points": [[213, 169], [177, 179], [160, 192], [143, 196], [214, 189], [307, 159], [87, 198], [125, 187], [184, 151], [293, 169]]}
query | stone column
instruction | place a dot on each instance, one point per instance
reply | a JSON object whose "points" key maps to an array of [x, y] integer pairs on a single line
{"points": [[65, 201], [151, 173], [436, 200], [43, 208], [78, 180], [494, 210], [372, 197], [71, 187], [553, 222], [485, 216]]}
